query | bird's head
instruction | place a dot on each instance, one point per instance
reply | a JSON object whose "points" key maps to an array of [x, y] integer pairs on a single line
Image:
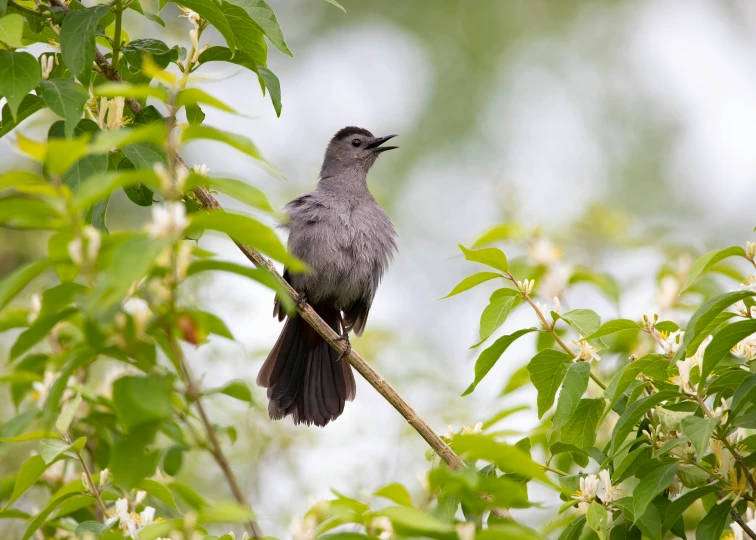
{"points": [[354, 148]]}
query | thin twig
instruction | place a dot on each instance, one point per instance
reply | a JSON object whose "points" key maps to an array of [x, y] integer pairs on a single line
{"points": [[743, 525], [25, 9], [92, 486], [215, 449], [741, 462]]}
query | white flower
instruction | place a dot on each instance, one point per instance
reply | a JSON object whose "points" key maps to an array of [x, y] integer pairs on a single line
{"points": [[48, 62], [76, 251], [383, 524], [745, 349], [110, 113], [140, 313], [749, 283], [201, 169], [556, 280], [588, 488], [610, 492], [193, 16], [42, 389], [36, 307], [542, 251], [586, 351], [557, 305], [466, 531], [477, 428], [147, 516], [104, 478], [683, 379], [698, 357], [649, 320], [130, 522], [304, 529], [140, 496], [675, 488], [672, 342], [526, 286], [91, 236], [168, 219], [544, 309], [669, 288], [750, 250]]}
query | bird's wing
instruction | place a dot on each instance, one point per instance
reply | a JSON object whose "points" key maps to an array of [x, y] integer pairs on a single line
{"points": [[356, 316]]}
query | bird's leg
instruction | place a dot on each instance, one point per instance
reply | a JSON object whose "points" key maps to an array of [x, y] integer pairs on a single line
{"points": [[344, 337]]}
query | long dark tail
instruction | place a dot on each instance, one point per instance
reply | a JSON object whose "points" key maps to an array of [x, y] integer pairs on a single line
{"points": [[304, 375]]}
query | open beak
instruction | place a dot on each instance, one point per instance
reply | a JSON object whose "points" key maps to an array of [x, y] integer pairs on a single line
{"points": [[376, 144]]}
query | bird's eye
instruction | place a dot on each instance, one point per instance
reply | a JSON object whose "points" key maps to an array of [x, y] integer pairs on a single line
{"points": [[356, 142]]}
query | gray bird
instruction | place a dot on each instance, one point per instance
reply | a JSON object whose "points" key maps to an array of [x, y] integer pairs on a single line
{"points": [[348, 241]]}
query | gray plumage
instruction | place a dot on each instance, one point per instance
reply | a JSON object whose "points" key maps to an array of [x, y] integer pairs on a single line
{"points": [[348, 241]]}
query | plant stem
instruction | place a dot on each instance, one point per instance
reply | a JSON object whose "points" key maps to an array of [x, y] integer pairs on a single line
{"points": [[741, 462], [552, 469], [117, 34], [215, 448], [550, 328], [94, 490], [25, 9]]}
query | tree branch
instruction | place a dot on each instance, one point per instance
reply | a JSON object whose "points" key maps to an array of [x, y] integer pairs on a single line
{"points": [[743, 525], [216, 451]]}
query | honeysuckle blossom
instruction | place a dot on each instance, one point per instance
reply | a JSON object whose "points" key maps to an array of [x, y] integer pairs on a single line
{"points": [[91, 239], [48, 62], [168, 219], [589, 486], [466, 531], [204, 170], [304, 528], [750, 250], [669, 289], [130, 522], [473, 429], [526, 286], [36, 307], [611, 492], [104, 475], [543, 251], [586, 351], [649, 320], [749, 283], [42, 389], [544, 309], [556, 280], [683, 379], [110, 113], [698, 357], [140, 313], [183, 259], [745, 349], [671, 343], [383, 524]]}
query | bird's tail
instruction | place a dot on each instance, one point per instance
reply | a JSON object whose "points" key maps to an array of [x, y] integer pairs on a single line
{"points": [[304, 376]]}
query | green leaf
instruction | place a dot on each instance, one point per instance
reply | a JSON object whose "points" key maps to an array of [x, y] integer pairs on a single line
{"points": [[65, 98], [547, 371], [492, 257], [239, 190], [699, 431], [61, 154], [173, 460], [506, 231], [223, 54], [491, 355], [585, 321], [396, 493], [507, 458], [580, 429], [705, 315], [26, 477], [629, 373], [83, 169], [249, 38], [710, 259], [77, 40], [14, 283], [192, 96], [652, 485], [210, 11], [38, 330], [142, 400], [67, 414], [19, 75], [261, 275], [720, 346], [241, 143], [154, 133], [273, 85], [471, 281], [633, 414], [11, 29], [574, 530], [99, 186], [496, 312], [575, 385], [713, 523], [51, 449], [158, 51], [29, 105], [236, 389], [137, 91], [411, 521], [194, 114], [744, 395], [159, 491], [97, 214], [261, 13], [614, 326], [335, 3], [43, 515], [597, 518], [605, 282], [92, 528], [679, 505], [649, 523], [248, 231]]}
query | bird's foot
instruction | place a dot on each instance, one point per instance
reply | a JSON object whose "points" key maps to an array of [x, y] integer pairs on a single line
{"points": [[301, 300], [345, 338]]}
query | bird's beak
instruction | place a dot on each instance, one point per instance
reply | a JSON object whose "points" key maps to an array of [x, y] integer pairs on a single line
{"points": [[376, 147]]}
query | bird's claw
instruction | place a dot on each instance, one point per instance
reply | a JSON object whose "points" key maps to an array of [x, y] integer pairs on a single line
{"points": [[345, 338], [301, 300]]}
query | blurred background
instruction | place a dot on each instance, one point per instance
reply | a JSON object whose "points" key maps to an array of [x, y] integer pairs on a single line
{"points": [[614, 126]]}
